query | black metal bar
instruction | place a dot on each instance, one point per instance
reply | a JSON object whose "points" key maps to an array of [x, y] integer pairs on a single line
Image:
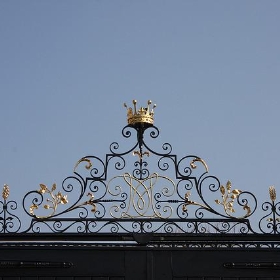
{"points": [[33, 264], [252, 265]]}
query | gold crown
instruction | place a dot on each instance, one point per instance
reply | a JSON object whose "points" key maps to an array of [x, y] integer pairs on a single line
{"points": [[142, 115]]}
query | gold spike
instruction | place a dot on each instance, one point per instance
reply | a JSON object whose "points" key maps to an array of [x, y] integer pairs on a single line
{"points": [[6, 191], [272, 193]]}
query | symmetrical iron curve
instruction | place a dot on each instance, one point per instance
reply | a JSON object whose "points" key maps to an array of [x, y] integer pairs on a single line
{"points": [[139, 191]]}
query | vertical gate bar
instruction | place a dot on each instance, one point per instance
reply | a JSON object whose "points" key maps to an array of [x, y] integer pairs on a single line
{"points": [[150, 266]]}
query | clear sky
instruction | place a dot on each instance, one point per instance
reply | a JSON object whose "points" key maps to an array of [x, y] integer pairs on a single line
{"points": [[212, 68]]}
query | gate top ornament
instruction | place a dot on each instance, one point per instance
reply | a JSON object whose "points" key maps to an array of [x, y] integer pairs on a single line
{"points": [[142, 116], [153, 192]]}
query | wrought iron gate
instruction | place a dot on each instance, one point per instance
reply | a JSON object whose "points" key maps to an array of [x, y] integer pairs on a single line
{"points": [[139, 213]]}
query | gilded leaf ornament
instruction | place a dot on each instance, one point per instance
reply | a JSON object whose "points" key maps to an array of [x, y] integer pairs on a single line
{"points": [[52, 201], [197, 159], [228, 198], [191, 202]]}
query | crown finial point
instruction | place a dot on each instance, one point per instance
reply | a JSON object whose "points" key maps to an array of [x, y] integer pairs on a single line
{"points": [[141, 116]]}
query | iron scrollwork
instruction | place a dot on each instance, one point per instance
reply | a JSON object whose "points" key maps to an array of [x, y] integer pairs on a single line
{"points": [[139, 190], [9, 222], [270, 223]]}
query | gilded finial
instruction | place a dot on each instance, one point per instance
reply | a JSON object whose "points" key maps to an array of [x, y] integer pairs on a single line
{"points": [[142, 115], [6, 191], [272, 193]]}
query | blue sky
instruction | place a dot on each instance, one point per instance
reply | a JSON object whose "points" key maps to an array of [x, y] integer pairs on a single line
{"points": [[212, 67]]}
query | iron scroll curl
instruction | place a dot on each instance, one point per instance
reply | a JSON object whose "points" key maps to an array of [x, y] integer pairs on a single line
{"points": [[134, 191]]}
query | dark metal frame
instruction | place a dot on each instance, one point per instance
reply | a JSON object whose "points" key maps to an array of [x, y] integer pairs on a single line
{"points": [[141, 203]]}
